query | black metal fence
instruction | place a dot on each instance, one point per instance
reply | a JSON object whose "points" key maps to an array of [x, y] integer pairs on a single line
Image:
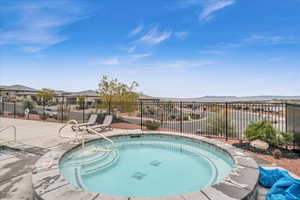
{"points": [[293, 121], [222, 119]]}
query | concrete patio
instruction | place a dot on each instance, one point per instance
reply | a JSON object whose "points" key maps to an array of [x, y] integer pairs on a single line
{"points": [[34, 139]]}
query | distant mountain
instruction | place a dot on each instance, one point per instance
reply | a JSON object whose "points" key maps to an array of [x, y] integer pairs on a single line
{"points": [[229, 98], [147, 97]]}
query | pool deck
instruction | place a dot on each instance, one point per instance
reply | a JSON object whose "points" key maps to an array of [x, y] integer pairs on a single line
{"points": [[35, 139]]}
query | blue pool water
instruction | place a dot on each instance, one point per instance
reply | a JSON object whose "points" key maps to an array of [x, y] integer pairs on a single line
{"points": [[145, 166]]}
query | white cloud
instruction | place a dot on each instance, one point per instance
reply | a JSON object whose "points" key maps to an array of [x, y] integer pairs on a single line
{"points": [[178, 65], [108, 61], [276, 59], [131, 49], [270, 39], [38, 25], [154, 36], [208, 7], [135, 57], [212, 7], [31, 49], [137, 30], [257, 40], [182, 35]]}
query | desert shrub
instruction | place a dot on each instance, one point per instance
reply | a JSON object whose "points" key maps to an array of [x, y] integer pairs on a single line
{"points": [[277, 154], [63, 112], [152, 125], [217, 124], [262, 130], [29, 104], [172, 117], [195, 116], [185, 118], [285, 138], [151, 111]]}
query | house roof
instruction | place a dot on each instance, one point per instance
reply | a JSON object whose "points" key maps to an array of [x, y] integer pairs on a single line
{"points": [[17, 88], [86, 93]]}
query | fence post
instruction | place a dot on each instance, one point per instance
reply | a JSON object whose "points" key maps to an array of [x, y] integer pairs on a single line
{"points": [[83, 109], [62, 109], [226, 120], [286, 117], [14, 109], [141, 109], [109, 107], [181, 118], [44, 114], [2, 107]]}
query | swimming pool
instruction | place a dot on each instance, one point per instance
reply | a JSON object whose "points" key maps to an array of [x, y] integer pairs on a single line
{"points": [[146, 165]]}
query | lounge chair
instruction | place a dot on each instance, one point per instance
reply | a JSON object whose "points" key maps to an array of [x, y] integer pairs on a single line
{"points": [[105, 124], [92, 121]]}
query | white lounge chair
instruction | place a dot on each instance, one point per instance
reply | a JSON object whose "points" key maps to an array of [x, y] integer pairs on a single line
{"points": [[92, 121], [105, 125]]}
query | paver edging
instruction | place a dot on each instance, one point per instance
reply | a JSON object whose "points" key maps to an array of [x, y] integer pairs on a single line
{"points": [[236, 185]]}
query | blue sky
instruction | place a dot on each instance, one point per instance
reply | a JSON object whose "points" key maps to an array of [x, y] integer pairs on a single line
{"points": [[173, 48]]}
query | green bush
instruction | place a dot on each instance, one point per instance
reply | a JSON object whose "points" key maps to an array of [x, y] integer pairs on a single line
{"points": [[29, 104], [285, 138], [195, 116], [262, 130], [152, 125], [172, 117], [185, 118]]}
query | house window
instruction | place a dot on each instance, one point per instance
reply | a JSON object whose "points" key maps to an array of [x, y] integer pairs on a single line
{"points": [[7, 94]]}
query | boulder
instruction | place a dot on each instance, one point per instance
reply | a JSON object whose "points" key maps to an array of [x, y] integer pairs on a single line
{"points": [[259, 144]]}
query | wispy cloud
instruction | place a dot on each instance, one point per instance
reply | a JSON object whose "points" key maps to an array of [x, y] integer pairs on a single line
{"points": [[155, 36], [139, 56], [182, 35], [38, 25], [137, 30], [270, 39], [212, 7], [206, 7], [276, 59], [215, 52], [182, 65], [175, 65], [131, 48], [108, 61], [257, 40]]}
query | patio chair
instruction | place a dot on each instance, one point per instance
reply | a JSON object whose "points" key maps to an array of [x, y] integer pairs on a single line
{"points": [[105, 124], [92, 121]]}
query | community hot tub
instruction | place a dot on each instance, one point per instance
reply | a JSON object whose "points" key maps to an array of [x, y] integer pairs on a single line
{"points": [[147, 166]]}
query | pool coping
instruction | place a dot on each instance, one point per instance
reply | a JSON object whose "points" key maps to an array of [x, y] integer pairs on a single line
{"points": [[241, 183]]}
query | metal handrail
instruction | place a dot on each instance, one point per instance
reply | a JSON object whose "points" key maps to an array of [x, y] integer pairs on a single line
{"points": [[82, 139], [104, 137], [15, 131], [66, 124]]}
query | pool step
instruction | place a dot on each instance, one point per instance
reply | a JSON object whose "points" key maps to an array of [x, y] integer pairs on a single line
{"points": [[97, 156], [100, 164]]}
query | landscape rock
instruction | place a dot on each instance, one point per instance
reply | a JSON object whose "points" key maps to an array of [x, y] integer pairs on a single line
{"points": [[259, 144]]}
